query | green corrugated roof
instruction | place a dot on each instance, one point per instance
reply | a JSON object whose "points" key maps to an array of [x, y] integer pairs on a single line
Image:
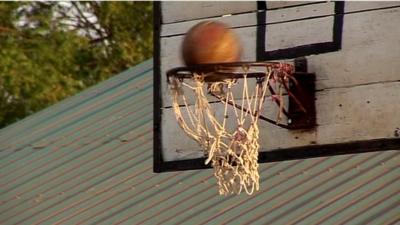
{"points": [[88, 160]]}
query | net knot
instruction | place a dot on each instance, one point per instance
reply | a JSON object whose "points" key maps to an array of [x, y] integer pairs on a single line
{"points": [[240, 134]]}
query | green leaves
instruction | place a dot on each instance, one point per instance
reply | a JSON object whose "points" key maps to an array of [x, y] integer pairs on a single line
{"points": [[43, 60]]}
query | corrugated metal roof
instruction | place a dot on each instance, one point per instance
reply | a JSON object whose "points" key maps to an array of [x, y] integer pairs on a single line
{"points": [[88, 160]]}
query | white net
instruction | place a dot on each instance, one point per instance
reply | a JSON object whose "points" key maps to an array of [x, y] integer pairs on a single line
{"points": [[229, 138]]}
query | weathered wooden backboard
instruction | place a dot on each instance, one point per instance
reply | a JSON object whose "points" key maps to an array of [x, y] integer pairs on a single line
{"points": [[352, 47]]}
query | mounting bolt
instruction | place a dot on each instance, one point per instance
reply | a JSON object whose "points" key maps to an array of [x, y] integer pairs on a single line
{"points": [[289, 121], [300, 64], [397, 132]]}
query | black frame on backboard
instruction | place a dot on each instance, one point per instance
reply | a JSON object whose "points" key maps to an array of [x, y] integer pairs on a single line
{"points": [[302, 50], [274, 155]]}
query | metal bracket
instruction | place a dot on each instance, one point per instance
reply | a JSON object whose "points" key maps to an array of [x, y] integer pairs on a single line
{"points": [[304, 90]]}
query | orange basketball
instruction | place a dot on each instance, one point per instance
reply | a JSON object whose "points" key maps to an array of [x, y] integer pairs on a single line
{"points": [[210, 42]]}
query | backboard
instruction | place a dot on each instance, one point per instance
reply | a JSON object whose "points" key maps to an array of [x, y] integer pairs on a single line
{"points": [[352, 47]]}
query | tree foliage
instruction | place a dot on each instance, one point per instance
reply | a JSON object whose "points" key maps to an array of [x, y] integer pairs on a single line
{"points": [[51, 50]]}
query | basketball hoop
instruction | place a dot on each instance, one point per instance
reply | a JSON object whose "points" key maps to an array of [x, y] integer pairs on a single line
{"points": [[231, 149]]}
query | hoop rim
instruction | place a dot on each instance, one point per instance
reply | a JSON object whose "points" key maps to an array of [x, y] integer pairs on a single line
{"points": [[221, 71]]}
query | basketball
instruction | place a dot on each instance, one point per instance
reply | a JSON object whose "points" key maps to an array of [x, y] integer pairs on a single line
{"points": [[210, 42]]}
